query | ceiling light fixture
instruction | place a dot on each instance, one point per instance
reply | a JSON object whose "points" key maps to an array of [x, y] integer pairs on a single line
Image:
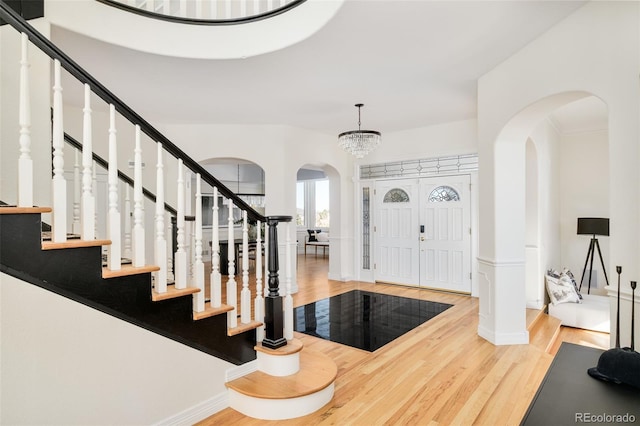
{"points": [[359, 142]]}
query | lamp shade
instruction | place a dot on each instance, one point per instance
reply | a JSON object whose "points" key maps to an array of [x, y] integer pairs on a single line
{"points": [[593, 226]]}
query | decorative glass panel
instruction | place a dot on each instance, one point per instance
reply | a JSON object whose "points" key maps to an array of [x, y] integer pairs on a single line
{"points": [[396, 195], [443, 193], [366, 257]]}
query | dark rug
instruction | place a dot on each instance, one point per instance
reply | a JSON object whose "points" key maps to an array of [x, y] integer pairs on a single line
{"points": [[363, 319]]}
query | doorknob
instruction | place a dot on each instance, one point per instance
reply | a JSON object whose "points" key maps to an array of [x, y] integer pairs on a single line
{"points": [[422, 238]]}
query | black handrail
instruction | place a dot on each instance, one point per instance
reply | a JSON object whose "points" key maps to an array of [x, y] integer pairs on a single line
{"points": [[51, 50], [123, 177], [194, 21]]}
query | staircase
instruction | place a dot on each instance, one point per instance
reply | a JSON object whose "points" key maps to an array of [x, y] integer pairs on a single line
{"points": [[166, 295]]}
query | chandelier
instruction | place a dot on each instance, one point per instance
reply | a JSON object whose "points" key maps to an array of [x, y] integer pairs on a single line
{"points": [[359, 142]]}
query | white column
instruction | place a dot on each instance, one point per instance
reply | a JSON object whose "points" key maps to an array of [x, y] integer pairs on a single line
{"points": [[138, 254], [232, 296], [245, 295], [59, 185], [75, 225], [258, 305], [114, 253], [25, 163], [216, 277], [161, 243], [88, 202], [180, 267], [198, 267], [288, 300]]}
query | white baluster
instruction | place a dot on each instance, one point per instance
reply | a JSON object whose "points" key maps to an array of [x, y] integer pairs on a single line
{"points": [[161, 244], [94, 189], [25, 163], [216, 277], [199, 9], [256, 7], [88, 202], [269, 5], [213, 9], [243, 8], [182, 11], [114, 253], [59, 185], [288, 300], [170, 270], [258, 306], [180, 267], [232, 296], [75, 225], [245, 295], [266, 263], [138, 259], [227, 9], [126, 249], [198, 267]]}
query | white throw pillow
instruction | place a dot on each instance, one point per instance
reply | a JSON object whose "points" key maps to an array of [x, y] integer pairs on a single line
{"points": [[322, 237], [561, 290]]}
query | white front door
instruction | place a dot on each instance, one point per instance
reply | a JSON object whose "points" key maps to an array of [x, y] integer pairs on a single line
{"points": [[445, 244], [396, 229]]}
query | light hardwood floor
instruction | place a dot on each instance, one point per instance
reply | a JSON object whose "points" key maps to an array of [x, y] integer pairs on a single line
{"points": [[440, 373]]}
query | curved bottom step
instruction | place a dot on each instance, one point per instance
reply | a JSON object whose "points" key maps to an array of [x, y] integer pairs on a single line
{"points": [[267, 397]]}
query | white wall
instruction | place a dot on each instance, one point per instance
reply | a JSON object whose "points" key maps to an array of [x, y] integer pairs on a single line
{"points": [[584, 177], [65, 363], [594, 51]]}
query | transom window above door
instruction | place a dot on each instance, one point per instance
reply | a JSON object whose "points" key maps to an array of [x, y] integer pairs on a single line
{"points": [[396, 195], [443, 193]]}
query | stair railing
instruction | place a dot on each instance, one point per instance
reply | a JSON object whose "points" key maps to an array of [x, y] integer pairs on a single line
{"points": [[206, 12], [187, 270]]}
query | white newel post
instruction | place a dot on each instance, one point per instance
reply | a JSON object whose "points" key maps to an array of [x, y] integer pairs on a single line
{"points": [[25, 163], [59, 185], [114, 250], [259, 301], [198, 266], [245, 295], [88, 202], [216, 277], [94, 190], [161, 244], [180, 267], [75, 225], [138, 251], [288, 300], [232, 295]]}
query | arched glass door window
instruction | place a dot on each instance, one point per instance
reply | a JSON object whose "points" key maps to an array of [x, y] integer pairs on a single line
{"points": [[396, 195], [443, 193]]}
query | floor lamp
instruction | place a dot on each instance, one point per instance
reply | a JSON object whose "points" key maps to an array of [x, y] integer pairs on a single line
{"points": [[593, 226]]}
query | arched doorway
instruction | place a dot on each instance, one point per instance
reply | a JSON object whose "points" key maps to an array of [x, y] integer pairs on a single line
{"points": [[510, 176]]}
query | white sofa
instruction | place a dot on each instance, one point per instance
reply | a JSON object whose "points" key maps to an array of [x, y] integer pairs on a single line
{"points": [[591, 314]]}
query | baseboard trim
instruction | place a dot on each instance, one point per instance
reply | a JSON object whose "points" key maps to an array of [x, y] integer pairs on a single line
{"points": [[241, 370], [198, 412], [500, 339]]}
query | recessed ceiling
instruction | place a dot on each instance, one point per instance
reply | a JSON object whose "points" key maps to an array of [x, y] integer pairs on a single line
{"points": [[412, 63]]}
